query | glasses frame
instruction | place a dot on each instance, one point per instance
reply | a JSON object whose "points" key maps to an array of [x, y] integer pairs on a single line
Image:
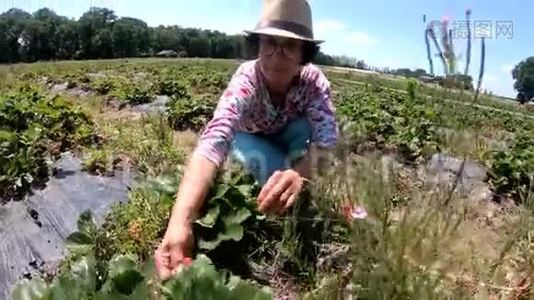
{"points": [[276, 45]]}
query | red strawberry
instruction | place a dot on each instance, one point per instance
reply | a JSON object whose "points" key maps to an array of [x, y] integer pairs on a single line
{"points": [[187, 261]]}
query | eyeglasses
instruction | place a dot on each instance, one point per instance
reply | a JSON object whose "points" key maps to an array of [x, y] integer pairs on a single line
{"points": [[290, 48]]}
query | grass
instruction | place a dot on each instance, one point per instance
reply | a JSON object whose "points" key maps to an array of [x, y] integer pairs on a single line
{"points": [[424, 249], [418, 241]]}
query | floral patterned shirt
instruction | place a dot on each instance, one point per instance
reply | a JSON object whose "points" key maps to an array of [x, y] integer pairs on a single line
{"points": [[246, 106]]}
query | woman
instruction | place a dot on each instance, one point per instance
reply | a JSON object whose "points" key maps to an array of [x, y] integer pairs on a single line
{"points": [[273, 111]]}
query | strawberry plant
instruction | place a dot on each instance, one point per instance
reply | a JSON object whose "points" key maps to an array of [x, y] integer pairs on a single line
{"points": [[171, 87], [124, 277], [34, 128], [134, 93], [99, 162], [512, 170], [22, 161], [189, 112], [382, 116], [229, 204], [103, 85]]}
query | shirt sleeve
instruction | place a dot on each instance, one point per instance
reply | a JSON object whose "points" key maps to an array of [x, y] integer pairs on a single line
{"points": [[216, 138], [321, 113]]}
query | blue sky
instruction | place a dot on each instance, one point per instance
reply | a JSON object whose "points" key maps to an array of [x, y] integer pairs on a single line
{"points": [[383, 33]]}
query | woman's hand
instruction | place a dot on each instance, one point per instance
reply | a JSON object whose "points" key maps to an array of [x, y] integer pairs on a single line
{"points": [[177, 244], [280, 192], [175, 250]]}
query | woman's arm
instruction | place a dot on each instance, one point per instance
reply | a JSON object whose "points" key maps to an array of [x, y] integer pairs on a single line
{"points": [[212, 150], [194, 185], [210, 153]]}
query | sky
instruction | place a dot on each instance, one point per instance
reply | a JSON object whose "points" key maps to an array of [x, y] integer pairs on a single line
{"points": [[382, 33]]}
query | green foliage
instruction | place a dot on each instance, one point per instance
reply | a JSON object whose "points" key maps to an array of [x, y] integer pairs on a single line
{"points": [[396, 253], [126, 280], [189, 112], [103, 85], [99, 33], [229, 206], [82, 242], [391, 117], [523, 74], [171, 87], [134, 93], [34, 128], [201, 281], [99, 162], [76, 79], [512, 170], [87, 277], [136, 226]]}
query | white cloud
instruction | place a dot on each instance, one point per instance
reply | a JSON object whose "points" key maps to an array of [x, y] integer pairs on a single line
{"points": [[507, 68], [357, 38], [326, 26], [340, 38]]}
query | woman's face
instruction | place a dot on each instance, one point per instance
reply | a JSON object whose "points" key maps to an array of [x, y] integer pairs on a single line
{"points": [[280, 59]]}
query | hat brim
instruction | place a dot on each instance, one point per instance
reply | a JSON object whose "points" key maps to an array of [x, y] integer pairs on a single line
{"points": [[281, 33]]}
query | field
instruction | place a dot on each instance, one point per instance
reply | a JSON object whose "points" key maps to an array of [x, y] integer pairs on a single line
{"points": [[428, 194]]}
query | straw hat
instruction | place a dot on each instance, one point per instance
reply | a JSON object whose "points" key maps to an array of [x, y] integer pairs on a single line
{"points": [[286, 18]]}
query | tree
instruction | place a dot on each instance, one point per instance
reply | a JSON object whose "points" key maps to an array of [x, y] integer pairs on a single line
{"points": [[130, 37], [523, 74], [14, 23], [98, 33], [93, 42], [45, 36], [67, 39], [164, 38], [360, 64]]}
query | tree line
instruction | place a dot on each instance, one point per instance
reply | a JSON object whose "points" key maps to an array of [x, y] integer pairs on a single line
{"points": [[99, 33]]}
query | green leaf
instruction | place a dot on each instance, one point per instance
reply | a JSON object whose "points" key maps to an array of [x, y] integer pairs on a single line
{"points": [[124, 274], [84, 272], [114, 296], [66, 288], [78, 283], [222, 189], [209, 245], [238, 217], [247, 291], [233, 231], [79, 243], [35, 289], [86, 224], [127, 281], [209, 219], [121, 263], [244, 189], [164, 185]]}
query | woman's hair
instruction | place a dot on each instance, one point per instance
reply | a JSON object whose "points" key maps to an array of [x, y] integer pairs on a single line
{"points": [[309, 50]]}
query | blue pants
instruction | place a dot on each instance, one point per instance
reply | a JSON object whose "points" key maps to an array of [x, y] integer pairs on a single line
{"points": [[263, 154]]}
